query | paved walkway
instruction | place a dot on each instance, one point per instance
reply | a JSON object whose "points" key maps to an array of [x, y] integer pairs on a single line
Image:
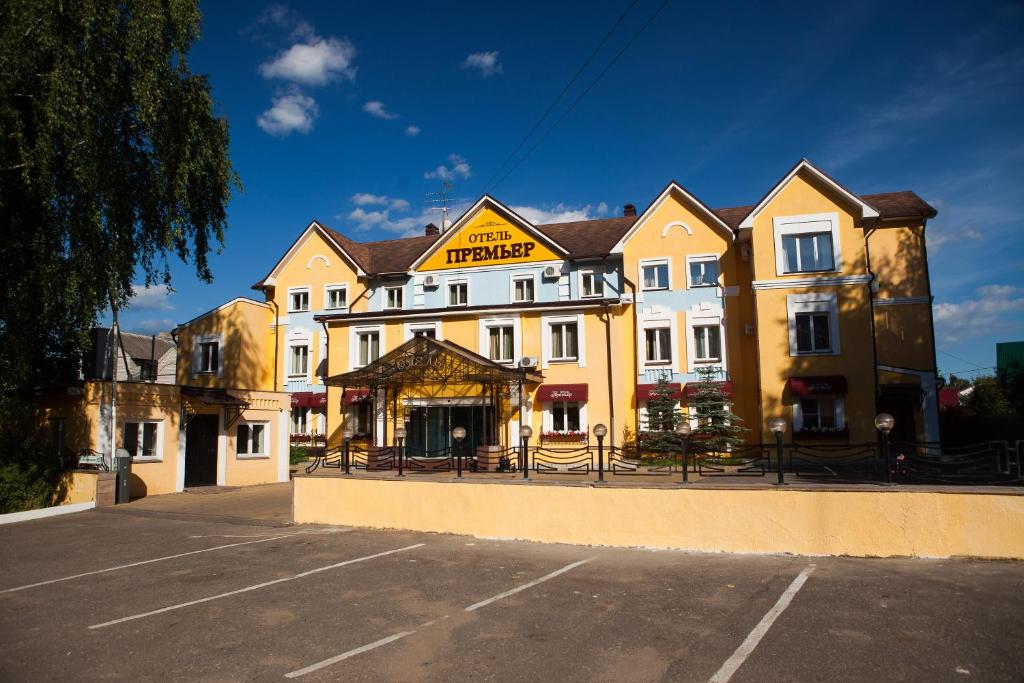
{"points": [[266, 505]]}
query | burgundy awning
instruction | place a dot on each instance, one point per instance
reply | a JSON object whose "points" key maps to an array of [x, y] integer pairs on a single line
{"points": [[643, 391], [309, 399], [691, 388], [562, 392], [810, 386], [353, 395]]}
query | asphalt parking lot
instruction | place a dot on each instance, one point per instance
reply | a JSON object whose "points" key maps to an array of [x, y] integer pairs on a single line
{"points": [[148, 593]]}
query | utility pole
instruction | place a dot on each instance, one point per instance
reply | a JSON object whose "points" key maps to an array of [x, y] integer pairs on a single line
{"points": [[113, 343]]}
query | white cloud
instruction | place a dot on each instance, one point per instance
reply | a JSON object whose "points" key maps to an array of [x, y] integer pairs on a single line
{"points": [[560, 213], [289, 113], [377, 109], [485, 62], [942, 232], [457, 168], [152, 326], [155, 298], [992, 309], [412, 131], [368, 199], [392, 216], [315, 62]]}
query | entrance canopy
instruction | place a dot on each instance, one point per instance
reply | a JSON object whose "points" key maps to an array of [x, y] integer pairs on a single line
{"points": [[425, 361]]}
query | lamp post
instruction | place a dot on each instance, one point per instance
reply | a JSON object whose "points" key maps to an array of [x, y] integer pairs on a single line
{"points": [[778, 427], [400, 437], [683, 430], [884, 423], [459, 433], [525, 432], [346, 440], [600, 431]]}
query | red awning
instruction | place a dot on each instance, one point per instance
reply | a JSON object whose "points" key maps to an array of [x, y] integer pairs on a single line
{"points": [[562, 392], [309, 399], [353, 395], [643, 391], [691, 388], [810, 386]]}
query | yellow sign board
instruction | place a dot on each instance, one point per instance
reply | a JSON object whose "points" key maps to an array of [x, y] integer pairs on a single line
{"points": [[488, 240]]}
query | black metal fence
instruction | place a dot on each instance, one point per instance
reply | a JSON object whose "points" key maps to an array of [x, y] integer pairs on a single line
{"points": [[991, 462]]}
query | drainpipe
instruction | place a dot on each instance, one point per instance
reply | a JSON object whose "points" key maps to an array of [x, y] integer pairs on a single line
{"points": [[327, 409], [931, 323], [277, 332], [636, 353], [871, 311]]}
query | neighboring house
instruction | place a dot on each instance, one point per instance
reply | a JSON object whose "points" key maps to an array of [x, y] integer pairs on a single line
{"points": [[138, 357], [813, 304]]}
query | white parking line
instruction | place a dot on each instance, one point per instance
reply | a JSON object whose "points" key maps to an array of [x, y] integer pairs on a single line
{"points": [[140, 563], [255, 586], [402, 634], [734, 662]]}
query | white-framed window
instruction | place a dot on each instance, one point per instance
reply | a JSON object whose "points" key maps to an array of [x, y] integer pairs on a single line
{"points": [[393, 297], [813, 324], [591, 283], [458, 292], [298, 361], [142, 439], [360, 417], [658, 345], [702, 270], [822, 414], [251, 439], [206, 359], [500, 339], [707, 343], [298, 299], [335, 296], [300, 420], [364, 344], [524, 288], [655, 274], [807, 244], [321, 364], [565, 416], [565, 340], [659, 422], [425, 328]]}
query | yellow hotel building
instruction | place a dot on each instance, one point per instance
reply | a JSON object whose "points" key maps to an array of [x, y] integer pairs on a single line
{"points": [[813, 304]]}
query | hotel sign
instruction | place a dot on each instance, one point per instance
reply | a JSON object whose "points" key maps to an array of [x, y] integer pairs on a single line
{"points": [[489, 240], [498, 245]]}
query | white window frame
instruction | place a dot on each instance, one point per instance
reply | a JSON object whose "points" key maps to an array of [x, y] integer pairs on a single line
{"points": [[645, 414], [265, 453], [548, 416], [306, 419], [197, 354], [707, 343], [546, 322], [336, 286], [158, 448], [322, 358], [410, 329], [800, 225], [516, 277], [703, 258], [300, 290], [297, 338], [813, 303], [596, 275], [705, 317], [667, 261], [656, 317], [386, 302], [448, 293], [485, 326], [353, 343], [840, 411]]}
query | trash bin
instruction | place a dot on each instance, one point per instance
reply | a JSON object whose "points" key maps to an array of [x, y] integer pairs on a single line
{"points": [[123, 468]]}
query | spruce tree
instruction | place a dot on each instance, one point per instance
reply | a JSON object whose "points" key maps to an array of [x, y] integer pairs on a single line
{"points": [[718, 428], [659, 434]]}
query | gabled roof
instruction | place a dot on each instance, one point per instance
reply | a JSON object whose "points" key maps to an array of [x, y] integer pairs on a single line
{"points": [[355, 252], [867, 211], [471, 212], [236, 300], [672, 186]]}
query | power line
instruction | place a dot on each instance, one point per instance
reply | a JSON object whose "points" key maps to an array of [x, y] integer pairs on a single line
{"points": [[568, 85], [960, 358], [584, 93]]}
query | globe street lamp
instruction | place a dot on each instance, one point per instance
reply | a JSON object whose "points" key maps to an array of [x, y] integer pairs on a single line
{"points": [[525, 432], [683, 430], [600, 431], [346, 440], [778, 427], [458, 433], [884, 423], [400, 437]]}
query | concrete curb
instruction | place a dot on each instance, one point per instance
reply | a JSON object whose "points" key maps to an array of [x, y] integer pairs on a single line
{"points": [[42, 513]]}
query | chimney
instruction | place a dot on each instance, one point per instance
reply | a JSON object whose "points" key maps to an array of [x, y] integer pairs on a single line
{"points": [[431, 229], [629, 210]]}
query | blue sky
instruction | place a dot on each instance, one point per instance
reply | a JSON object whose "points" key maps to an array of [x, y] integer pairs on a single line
{"points": [[350, 113]]}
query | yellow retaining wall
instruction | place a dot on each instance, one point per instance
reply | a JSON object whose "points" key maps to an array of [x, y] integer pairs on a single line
{"points": [[867, 524], [79, 487]]}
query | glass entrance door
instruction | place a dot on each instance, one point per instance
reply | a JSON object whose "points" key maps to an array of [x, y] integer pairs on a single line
{"points": [[429, 428]]}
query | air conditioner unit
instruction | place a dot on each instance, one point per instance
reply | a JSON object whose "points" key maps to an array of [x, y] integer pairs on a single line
{"points": [[551, 271], [528, 362], [431, 281]]}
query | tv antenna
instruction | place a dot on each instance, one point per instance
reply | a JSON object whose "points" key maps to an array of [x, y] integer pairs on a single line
{"points": [[442, 202]]}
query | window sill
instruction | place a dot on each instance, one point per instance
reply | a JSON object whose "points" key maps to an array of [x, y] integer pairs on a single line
{"points": [[658, 363], [563, 360], [797, 273], [145, 460], [815, 353], [304, 310], [654, 289], [591, 296], [252, 457]]}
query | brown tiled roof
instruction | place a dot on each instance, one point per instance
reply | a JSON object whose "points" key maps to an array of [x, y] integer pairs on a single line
{"points": [[588, 239]]}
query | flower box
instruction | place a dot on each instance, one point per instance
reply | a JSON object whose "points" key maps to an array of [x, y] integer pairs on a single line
{"points": [[564, 437]]}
